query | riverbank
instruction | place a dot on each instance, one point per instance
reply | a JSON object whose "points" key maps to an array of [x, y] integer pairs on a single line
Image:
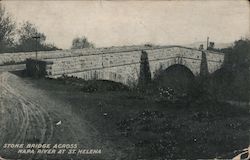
{"points": [[144, 126]]}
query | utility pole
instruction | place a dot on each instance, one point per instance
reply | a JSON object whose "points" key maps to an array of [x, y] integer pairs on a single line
{"points": [[36, 38], [36, 64], [207, 41]]}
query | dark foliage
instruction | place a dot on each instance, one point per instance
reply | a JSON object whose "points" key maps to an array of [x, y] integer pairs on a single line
{"points": [[238, 56], [196, 132], [203, 67], [145, 74], [233, 80], [27, 42], [81, 42], [93, 85], [20, 40]]}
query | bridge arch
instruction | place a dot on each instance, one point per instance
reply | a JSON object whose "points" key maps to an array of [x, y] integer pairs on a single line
{"points": [[192, 64], [178, 77]]}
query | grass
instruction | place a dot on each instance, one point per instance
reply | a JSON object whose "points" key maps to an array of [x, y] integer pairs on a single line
{"points": [[143, 126]]}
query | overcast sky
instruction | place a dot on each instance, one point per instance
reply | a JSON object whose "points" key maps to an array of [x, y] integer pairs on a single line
{"points": [[112, 23]]}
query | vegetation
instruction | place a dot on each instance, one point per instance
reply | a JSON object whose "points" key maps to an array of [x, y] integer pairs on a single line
{"points": [[175, 116], [13, 39], [162, 120], [28, 42], [145, 74], [232, 81], [81, 42], [158, 124], [7, 30], [94, 85]]}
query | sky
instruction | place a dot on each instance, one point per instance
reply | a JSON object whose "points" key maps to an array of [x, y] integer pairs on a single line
{"points": [[116, 23]]}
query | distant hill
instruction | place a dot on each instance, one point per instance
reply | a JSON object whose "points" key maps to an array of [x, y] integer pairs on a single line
{"points": [[216, 45]]}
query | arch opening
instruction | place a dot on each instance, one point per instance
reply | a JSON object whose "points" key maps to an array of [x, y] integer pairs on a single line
{"points": [[177, 77], [220, 83]]}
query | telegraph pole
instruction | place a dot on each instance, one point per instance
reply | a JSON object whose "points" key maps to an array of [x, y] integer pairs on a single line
{"points": [[36, 64], [36, 38], [207, 41]]}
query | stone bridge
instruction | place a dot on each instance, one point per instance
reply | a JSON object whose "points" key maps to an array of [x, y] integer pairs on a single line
{"points": [[123, 64]]}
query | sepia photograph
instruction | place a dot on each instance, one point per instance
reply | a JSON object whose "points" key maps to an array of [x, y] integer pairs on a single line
{"points": [[124, 80]]}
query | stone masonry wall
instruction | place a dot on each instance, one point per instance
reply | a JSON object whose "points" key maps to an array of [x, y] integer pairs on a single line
{"points": [[20, 57], [124, 66], [12, 58]]}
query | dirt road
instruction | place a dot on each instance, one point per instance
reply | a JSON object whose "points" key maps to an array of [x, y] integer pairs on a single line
{"points": [[15, 67], [29, 116]]}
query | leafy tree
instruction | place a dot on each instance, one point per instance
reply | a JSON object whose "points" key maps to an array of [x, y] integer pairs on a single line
{"points": [[239, 64], [236, 69], [81, 42], [27, 41], [238, 56], [211, 46], [7, 30]]}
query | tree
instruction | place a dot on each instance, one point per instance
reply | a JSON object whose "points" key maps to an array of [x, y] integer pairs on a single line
{"points": [[237, 68], [204, 66], [211, 46], [239, 64], [238, 57], [7, 30], [145, 74], [27, 42], [81, 42]]}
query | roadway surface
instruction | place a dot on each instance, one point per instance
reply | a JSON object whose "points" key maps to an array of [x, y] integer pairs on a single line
{"points": [[16, 67], [29, 115]]}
